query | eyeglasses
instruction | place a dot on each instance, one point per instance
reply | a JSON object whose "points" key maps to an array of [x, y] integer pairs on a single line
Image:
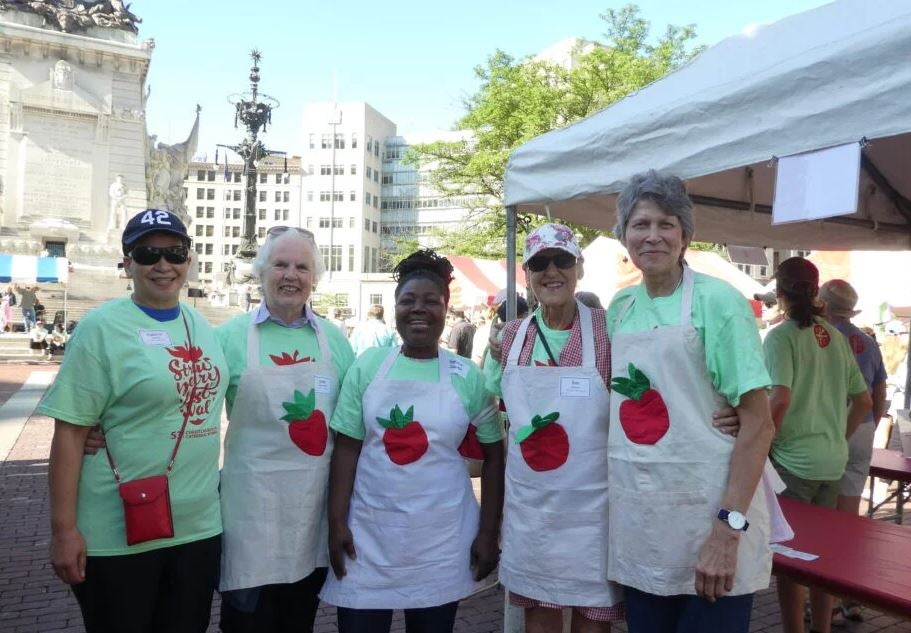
{"points": [[278, 230], [149, 255], [540, 263]]}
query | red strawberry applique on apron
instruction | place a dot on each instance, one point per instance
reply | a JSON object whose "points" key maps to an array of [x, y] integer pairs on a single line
{"points": [[544, 443], [644, 416], [404, 438], [307, 424]]}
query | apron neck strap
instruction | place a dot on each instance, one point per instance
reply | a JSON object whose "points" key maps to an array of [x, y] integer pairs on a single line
{"points": [[588, 335], [519, 341], [386, 366], [686, 301]]}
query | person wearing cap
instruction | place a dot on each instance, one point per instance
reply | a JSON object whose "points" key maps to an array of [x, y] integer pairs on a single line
{"points": [[150, 371], [839, 300], [285, 369], [813, 373], [553, 375], [689, 525]]}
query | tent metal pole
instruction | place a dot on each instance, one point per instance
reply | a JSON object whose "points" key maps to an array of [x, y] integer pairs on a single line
{"points": [[510, 263], [908, 371]]}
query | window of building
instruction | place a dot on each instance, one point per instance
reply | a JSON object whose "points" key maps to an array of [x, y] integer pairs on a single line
{"points": [[353, 171], [351, 222], [278, 179], [353, 196], [325, 141], [210, 176], [763, 271], [237, 195], [376, 202], [373, 267], [387, 179], [261, 232], [199, 267], [324, 223], [208, 267], [376, 175], [210, 212], [262, 196], [210, 230], [208, 249], [369, 148], [227, 231], [365, 265], [339, 141], [236, 213], [236, 176], [376, 152], [325, 170], [336, 263], [286, 196], [278, 215], [351, 258], [309, 222], [226, 249], [198, 247], [200, 211], [199, 229], [324, 253], [369, 172], [338, 196], [278, 196], [367, 197], [227, 213], [310, 170], [262, 214], [337, 223], [263, 178], [234, 249], [354, 140], [325, 196], [309, 196], [339, 170], [200, 194], [286, 213], [375, 299], [312, 143], [366, 224], [373, 227], [201, 174]]}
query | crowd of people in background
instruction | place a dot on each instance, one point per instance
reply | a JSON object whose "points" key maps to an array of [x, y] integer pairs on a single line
{"points": [[623, 451]]}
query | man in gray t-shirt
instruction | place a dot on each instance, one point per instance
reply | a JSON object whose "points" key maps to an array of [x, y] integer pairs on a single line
{"points": [[27, 298]]}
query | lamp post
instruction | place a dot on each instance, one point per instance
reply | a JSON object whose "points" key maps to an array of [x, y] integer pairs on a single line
{"points": [[253, 109]]}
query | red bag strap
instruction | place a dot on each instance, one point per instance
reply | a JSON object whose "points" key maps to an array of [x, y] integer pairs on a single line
{"points": [[187, 409]]}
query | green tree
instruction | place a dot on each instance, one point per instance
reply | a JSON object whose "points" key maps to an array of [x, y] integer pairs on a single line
{"points": [[519, 99]]}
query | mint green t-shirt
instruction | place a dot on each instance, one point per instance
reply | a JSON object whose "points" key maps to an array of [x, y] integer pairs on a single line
{"points": [[479, 403], [131, 373], [818, 366], [722, 317], [556, 339], [278, 345]]}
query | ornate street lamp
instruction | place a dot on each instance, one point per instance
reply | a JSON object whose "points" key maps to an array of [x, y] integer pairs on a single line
{"points": [[253, 109]]}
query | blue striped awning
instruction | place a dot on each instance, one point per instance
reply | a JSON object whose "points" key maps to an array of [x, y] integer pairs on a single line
{"points": [[31, 269]]}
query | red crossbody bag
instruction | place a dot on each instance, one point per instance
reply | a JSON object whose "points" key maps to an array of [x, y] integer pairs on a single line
{"points": [[147, 501]]}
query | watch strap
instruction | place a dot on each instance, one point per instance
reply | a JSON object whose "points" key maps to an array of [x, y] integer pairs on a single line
{"points": [[724, 515]]}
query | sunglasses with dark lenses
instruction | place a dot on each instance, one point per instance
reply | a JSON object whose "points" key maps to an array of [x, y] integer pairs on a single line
{"points": [[149, 255], [539, 263], [278, 230]]}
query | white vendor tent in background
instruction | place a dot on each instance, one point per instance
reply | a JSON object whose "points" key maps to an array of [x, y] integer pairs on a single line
{"points": [[608, 269], [834, 75], [30, 270]]}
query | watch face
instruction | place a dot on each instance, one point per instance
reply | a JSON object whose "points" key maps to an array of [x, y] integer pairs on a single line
{"points": [[736, 520]]}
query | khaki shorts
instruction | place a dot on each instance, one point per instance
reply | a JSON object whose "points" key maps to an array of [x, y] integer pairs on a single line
{"points": [[818, 492], [860, 452]]}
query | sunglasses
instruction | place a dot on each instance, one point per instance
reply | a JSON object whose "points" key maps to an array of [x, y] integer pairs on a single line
{"points": [[149, 255], [278, 230], [540, 263]]}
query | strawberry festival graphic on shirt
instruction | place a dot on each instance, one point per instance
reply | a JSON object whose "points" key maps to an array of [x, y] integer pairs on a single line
{"points": [[644, 416], [306, 424], [290, 359], [404, 438], [822, 336], [194, 374]]}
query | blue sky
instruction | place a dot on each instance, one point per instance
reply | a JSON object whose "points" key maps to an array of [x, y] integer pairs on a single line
{"points": [[411, 60]]}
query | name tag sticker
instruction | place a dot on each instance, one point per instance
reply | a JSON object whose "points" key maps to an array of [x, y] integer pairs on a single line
{"points": [[458, 367], [159, 338], [575, 387], [322, 384]]}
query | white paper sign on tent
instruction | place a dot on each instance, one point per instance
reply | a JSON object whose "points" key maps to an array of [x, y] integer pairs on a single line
{"points": [[816, 185]]}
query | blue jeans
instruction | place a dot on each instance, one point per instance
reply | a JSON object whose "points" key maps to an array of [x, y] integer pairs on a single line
{"points": [[28, 318], [648, 613]]}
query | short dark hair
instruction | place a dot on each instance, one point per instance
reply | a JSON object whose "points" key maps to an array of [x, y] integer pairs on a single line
{"points": [[424, 264], [376, 311]]}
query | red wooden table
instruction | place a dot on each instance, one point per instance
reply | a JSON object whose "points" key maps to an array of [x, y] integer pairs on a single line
{"points": [[895, 466], [868, 561]]}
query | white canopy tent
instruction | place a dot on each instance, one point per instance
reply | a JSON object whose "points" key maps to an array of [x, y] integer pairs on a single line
{"points": [[833, 75]]}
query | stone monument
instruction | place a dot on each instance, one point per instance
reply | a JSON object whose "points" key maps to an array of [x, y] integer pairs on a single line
{"points": [[166, 168], [72, 125]]}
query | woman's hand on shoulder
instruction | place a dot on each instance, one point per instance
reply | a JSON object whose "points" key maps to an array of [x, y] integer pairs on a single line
{"points": [[485, 554], [341, 545]]}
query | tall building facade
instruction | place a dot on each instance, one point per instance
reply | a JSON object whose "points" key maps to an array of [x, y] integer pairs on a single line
{"points": [[215, 203]]}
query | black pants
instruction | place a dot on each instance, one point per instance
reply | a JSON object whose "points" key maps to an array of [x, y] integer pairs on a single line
{"points": [[439, 619], [285, 608], [167, 590]]}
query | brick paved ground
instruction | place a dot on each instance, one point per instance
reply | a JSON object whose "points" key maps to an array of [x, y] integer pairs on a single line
{"points": [[33, 600]]}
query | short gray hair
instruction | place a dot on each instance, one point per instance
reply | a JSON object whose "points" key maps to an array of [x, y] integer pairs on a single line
{"points": [[665, 190], [265, 253]]}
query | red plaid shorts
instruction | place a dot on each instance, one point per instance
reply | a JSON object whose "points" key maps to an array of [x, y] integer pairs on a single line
{"points": [[613, 613]]}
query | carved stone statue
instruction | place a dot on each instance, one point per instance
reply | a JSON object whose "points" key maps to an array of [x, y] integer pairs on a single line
{"points": [[117, 192], [70, 16], [166, 168], [62, 76]]}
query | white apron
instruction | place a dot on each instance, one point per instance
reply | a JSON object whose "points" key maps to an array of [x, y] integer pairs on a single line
{"points": [[555, 519], [412, 524], [273, 494], [665, 495]]}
